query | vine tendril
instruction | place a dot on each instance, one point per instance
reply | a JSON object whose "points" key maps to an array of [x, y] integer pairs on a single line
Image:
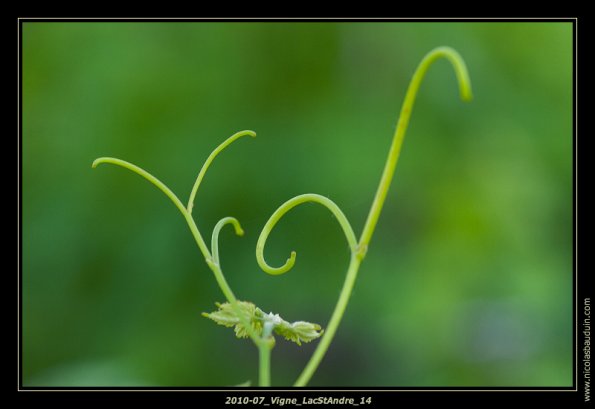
{"points": [[171, 195], [395, 150], [210, 160], [211, 260], [139, 171], [215, 238], [358, 249], [280, 212]]}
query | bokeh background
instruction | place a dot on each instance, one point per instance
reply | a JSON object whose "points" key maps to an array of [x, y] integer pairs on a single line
{"points": [[468, 280]]}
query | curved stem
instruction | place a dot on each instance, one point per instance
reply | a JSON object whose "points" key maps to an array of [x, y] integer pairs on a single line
{"points": [[358, 249], [280, 212], [231, 298], [264, 345], [210, 159], [213, 264], [361, 247], [393, 156], [349, 279], [139, 171], [161, 186], [215, 238], [212, 261]]}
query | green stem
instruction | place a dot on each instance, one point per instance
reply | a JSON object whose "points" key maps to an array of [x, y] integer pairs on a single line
{"points": [[264, 365], [359, 251], [217, 229], [210, 159], [211, 260], [161, 186], [395, 150], [331, 329], [280, 212], [231, 298], [264, 355], [339, 310]]}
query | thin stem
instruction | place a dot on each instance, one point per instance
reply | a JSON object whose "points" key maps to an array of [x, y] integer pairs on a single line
{"points": [[213, 264], [215, 267], [264, 365], [331, 329], [127, 165], [210, 159], [264, 345], [215, 238], [231, 298], [339, 310], [393, 156], [360, 249]]}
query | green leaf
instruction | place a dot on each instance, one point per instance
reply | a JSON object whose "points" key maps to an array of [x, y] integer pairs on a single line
{"points": [[298, 331], [227, 316]]}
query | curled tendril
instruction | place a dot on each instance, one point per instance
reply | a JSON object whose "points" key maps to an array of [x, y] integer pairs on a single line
{"points": [[215, 238], [280, 212], [210, 159]]}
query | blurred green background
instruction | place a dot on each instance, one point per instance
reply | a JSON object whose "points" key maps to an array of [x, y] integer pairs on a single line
{"points": [[468, 280]]}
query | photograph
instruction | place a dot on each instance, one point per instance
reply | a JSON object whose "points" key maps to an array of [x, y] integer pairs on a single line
{"points": [[298, 204]]}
